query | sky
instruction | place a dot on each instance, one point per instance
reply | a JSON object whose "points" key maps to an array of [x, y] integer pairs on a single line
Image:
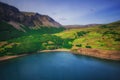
{"points": [[72, 12]]}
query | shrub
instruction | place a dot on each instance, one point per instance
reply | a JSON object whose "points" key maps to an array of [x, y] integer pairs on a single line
{"points": [[88, 46], [79, 45], [117, 39], [81, 33], [104, 26]]}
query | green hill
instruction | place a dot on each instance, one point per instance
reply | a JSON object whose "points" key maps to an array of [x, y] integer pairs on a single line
{"points": [[14, 41], [104, 37]]}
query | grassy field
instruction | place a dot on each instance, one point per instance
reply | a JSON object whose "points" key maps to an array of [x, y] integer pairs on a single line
{"points": [[106, 37], [12, 41]]}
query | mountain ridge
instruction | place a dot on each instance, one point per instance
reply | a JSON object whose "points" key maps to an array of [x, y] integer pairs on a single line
{"points": [[80, 26], [10, 13]]}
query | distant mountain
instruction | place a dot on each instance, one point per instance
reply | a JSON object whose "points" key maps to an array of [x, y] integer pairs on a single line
{"points": [[80, 26], [16, 18], [117, 23], [113, 24]]}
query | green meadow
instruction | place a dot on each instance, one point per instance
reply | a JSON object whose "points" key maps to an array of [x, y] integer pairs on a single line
{"points": [[13, 41]]}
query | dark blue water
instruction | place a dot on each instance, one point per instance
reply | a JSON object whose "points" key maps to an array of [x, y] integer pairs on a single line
{"points": [[59, 66]]}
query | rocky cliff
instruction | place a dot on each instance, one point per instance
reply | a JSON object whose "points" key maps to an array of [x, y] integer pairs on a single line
{"points": [[12, 14]]}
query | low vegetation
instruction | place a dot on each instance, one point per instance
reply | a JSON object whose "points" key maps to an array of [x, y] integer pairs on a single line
{"points": [[12, 41]]}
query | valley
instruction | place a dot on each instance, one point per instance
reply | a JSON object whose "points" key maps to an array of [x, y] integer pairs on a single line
{"points": [[33, 32]]}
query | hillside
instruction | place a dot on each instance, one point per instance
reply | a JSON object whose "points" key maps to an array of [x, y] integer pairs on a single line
{"points": [[14, 42], [15, 23], [16, 18], [100, 37], [27, 32], [101, 41], [104, 37]]}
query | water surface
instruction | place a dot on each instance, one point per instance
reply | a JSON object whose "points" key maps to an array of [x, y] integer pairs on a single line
{"points": [[59, 66]]}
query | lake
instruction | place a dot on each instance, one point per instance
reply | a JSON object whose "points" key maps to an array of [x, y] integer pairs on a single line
{"points": [[59, 66]]}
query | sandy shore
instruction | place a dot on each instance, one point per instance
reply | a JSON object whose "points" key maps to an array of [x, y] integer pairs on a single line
{"points": [[104, 54], [15, 56], [10, 57], [55, 50]]}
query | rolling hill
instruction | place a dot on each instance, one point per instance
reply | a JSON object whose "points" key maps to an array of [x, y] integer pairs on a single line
{"points": [[99, 37]]}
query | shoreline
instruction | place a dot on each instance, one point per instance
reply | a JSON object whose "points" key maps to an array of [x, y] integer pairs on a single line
{"points": [[56, 50], [3, 58], [101, 54]]}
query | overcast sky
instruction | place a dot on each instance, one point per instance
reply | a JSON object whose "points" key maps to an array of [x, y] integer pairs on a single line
{"points": [[69, 12]]}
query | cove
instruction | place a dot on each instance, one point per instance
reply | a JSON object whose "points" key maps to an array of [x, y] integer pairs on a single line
{"points": [[59, 66]]}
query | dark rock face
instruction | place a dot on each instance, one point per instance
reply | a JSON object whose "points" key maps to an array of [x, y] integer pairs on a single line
{"points": [[8, 13], [30, 19]]}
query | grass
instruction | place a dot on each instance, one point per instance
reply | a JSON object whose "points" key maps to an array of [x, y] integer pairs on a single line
{"points": [[104, 37], [12, 41]]}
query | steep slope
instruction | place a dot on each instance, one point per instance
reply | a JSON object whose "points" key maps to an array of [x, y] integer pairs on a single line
{"points": [[15, 17], [42, 20], [7, 31]]}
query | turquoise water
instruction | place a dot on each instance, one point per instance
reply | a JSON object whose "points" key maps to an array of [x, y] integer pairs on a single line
{"points": [[59, 66]]}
